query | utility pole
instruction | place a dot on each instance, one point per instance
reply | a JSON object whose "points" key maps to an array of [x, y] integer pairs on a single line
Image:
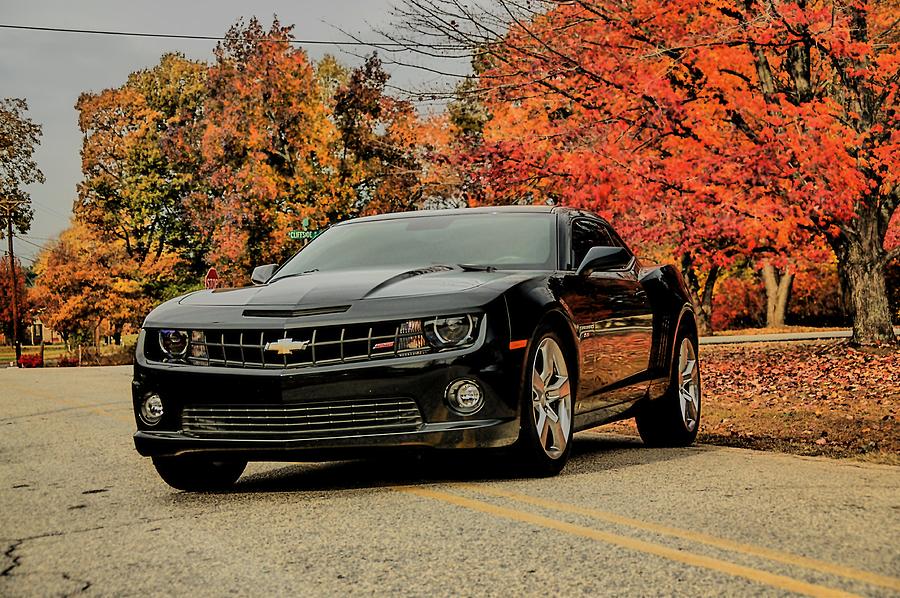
{"points": [[9, 206]]}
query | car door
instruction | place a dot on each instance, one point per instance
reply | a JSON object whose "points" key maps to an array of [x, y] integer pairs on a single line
{"points": [[614, 322]]}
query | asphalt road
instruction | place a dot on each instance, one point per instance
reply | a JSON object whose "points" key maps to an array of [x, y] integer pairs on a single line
{"points": [[81, 512]]}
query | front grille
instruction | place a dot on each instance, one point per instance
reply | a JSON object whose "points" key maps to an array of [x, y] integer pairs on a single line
{"points": [[344, 417], [320, 346]]}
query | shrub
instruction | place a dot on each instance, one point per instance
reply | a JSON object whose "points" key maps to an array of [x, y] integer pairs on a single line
{"points": [[31, 361], [67, 361], [816, 296], [111, 355], [739, 302]]}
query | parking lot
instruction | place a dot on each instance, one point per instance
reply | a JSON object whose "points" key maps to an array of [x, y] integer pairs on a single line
{"points": [[82, 512]]}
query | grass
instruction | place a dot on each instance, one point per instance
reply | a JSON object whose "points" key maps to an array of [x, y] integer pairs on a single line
{"points": [[8, 354], [56, 351]]}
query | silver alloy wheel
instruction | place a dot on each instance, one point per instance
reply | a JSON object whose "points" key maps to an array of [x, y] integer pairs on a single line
{"points": [[551, 398], [688, 385]]}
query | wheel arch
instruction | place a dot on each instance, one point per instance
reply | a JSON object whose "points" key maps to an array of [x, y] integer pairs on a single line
{"points": [[557, 320], [686, 324]]}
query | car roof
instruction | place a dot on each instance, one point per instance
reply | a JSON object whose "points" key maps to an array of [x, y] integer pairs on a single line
{"points": [[463, 211]]}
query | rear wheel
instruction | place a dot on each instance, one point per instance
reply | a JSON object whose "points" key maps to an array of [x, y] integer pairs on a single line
{"points": [[545, 437], [674, 418], [198, 474]]}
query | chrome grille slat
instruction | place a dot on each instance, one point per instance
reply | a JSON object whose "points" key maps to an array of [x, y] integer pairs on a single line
{"points": [[262, 346], [317, 406], [326, 345], [342, 417]]}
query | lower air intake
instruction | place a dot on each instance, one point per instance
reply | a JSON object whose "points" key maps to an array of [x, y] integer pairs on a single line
{"points": [[315, 419]]}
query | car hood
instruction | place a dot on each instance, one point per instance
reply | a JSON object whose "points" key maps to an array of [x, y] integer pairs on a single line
{"points": [[344, 287]]}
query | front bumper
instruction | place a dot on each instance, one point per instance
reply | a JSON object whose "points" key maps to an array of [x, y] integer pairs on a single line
{"points": [[423, 379]]}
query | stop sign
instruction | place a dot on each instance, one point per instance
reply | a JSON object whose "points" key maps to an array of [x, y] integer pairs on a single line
{"points": [[212, 278]]}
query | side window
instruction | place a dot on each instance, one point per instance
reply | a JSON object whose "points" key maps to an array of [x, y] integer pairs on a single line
{"points": [[587, 234]]}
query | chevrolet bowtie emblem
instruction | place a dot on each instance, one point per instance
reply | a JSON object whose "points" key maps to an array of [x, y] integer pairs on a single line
{"points": [[286, 346]]}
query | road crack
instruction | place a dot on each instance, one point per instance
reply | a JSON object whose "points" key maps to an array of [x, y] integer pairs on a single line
{"points": [[85, 585], [15, 559]]}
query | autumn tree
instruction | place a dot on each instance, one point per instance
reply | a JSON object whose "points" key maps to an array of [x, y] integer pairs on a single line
{"points": [[378, 136], [266, 148], [18, 138], [84, 279], [136, 175], [24, 308], [701, 123]]}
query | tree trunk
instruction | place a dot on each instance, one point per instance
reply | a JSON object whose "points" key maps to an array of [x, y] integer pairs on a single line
{"points": [[701, 295], [861, 262], [778, 293]]}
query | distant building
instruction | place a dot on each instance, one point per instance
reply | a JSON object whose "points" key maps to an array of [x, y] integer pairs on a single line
{"points": [[34, 333]]}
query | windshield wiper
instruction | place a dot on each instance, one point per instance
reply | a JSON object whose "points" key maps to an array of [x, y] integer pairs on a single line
{"points": [[295, 274]]}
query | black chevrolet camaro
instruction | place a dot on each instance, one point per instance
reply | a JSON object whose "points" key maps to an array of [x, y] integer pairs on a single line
{"points": [[481, 328]]}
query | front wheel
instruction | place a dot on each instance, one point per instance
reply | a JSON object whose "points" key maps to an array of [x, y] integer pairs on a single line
{"points": [[674, 418], [545, 438], [196, 474]]}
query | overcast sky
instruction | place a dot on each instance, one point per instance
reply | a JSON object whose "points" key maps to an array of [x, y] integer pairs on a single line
{"points": [[50, 70]]}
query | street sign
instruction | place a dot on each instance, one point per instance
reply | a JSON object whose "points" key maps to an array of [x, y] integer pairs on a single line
{"points": [[303, 234], [212, 278]]}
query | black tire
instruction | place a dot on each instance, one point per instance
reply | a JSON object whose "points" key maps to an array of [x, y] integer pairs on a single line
{"points": [[670, 421], [198, 474], [542, 457]]}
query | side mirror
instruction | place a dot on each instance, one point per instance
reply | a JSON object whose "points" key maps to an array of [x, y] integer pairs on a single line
{"points": [[262, 274], [604, 258]]}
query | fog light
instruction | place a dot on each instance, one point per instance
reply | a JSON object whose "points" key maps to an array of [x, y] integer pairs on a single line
{"points": [[152, 410], [465, 396]]}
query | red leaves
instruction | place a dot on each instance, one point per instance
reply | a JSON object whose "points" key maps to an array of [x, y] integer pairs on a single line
{"points": [[725, 134], [821, 398], [801, 394]]}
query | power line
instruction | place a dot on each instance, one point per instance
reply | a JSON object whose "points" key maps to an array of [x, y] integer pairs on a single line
{"points": [[19, 237], [37, 203], [21, 257], [302, 42]]}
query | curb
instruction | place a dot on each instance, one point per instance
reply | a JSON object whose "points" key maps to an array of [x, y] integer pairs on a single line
{"points": [[778, 337]]}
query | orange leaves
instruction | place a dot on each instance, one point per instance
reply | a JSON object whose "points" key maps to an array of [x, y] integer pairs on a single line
{"points": [[264, 149], [83, 279], [729, 124]]}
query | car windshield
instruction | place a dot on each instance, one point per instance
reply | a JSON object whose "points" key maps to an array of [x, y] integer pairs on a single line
{"points": [[505, 241]]}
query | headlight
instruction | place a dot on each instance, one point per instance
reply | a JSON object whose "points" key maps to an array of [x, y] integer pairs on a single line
{"points": [[447, 332], [174, 343]]}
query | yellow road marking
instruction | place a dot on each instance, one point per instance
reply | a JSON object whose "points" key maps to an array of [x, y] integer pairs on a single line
{"points": [[696, 560], [748, 549]]}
